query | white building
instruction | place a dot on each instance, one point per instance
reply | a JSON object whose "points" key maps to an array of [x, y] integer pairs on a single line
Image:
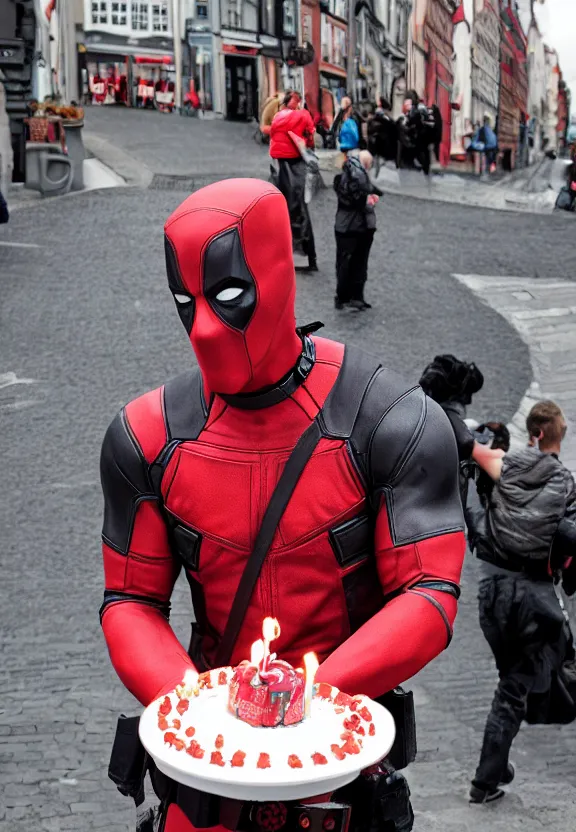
{"points": [[550, 125], [462, 123], [476, 70]]}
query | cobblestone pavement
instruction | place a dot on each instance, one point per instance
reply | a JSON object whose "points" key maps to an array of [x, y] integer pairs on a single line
{"points": [[86, 323]]}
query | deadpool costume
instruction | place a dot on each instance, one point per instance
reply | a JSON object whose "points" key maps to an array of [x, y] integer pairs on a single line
{"points": [[366, 559]]}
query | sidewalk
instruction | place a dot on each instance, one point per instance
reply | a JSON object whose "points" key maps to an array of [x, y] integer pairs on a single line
{"points": [[96, 175], [535, 192]]}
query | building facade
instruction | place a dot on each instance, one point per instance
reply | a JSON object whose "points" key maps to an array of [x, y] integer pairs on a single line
{"points": [[438, 34], [462, 124], [513, 103]]}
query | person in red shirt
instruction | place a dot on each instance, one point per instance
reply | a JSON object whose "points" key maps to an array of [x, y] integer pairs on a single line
{"points": [[292, 118]]}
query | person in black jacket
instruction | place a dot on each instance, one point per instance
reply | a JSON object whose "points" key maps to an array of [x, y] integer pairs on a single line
{"points": [[4, 213], [354, 228], [530, 540]]}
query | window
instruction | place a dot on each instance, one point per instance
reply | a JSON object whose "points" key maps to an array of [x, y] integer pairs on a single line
{"points": [[339, 8], [307, 28], [103, 16], [140, 17], [326, 40], [94, 13], [119, 13], [268, 22], [159, 17], [233, 15], [333, 43], [289, 26], [202, 10]]}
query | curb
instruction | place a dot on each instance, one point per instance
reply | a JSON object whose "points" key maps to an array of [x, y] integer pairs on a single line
{"points": [[133, 172], [510, 203]]}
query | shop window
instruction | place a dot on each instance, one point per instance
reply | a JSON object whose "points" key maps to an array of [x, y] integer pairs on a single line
{"points": [[202, 10], [159, 17]]}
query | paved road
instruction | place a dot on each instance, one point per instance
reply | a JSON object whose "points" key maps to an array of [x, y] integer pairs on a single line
{"points": [[86, 323]]}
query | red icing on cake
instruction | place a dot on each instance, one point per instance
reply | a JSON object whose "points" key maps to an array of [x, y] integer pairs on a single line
{"points": [[267, 698]]}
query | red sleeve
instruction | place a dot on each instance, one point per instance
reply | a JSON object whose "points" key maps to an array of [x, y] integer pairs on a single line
{"points": [[139, 568], [143, 648], [412, 629], [419, 550]]}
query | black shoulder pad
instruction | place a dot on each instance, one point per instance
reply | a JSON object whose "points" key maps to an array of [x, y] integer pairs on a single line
{"points": [[124, 478], [413, 462], [385, 390], [185, 407], [341, 408]]}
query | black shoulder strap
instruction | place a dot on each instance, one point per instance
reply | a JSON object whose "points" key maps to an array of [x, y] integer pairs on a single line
{"points": [[280, 498], [336, 419]]}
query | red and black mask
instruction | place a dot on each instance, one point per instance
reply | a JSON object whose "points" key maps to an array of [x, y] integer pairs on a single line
{"points": [[230, 269]]}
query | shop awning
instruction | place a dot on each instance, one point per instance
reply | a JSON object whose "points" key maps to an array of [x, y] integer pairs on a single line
{"points": [[125, 50]]}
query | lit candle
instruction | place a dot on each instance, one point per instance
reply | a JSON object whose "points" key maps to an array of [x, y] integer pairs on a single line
{"points": [[190, 684], [311, 664], [257, 653], [270, 631]]}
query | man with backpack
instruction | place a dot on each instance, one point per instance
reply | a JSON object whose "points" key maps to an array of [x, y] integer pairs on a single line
{"points": [[532, 498], [354, 228]]}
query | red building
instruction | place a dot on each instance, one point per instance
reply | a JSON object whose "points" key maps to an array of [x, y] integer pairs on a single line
{"points": [[513, 104], [324, 25], [438, 38], [563, 112], [311, 29]]}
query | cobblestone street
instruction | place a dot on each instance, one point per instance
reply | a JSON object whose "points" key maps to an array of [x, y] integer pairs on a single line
{"points": [[87, 323]]}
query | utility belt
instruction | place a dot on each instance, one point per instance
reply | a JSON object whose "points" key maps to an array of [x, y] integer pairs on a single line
{"points": [[377, 796]]}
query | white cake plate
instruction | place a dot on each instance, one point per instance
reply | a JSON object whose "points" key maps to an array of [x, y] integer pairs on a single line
{"points": [[209, 716]]}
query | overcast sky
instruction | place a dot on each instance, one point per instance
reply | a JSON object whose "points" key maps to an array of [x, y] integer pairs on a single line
{"points": [[557, 22]]}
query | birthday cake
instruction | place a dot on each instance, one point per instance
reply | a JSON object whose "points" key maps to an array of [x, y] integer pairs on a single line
{"points": [[223, 717]]}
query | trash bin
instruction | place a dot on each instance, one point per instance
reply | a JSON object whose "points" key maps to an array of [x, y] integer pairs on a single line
{"points": [[48, 170], [76, 153]]}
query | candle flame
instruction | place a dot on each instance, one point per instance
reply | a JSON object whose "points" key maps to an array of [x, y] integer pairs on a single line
{"points": [[257, 652], [189, 686], [190, 679], [311, 664], [270, 629]]}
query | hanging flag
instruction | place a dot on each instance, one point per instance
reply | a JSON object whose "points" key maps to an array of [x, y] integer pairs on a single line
{"points": [[459, 16], [50, 8]]}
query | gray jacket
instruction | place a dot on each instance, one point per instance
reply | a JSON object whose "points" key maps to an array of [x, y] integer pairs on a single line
{"points": [[532, 496]]}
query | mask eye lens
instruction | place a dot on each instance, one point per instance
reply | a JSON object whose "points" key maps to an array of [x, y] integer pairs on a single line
{"points": [[182, 299], [231, 293]]}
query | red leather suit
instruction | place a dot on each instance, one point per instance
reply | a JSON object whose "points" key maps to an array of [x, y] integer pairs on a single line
{"points": [[366, 561]]}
